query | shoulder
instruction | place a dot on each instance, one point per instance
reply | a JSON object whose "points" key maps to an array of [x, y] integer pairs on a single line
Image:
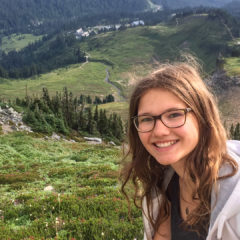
{"points": [[233, 147], [225, 215]]}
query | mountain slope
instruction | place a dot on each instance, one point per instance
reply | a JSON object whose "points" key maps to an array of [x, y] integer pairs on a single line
{"points": [[131, 51], [175, 4], [200, 35], [233, 8], [15, 13]]}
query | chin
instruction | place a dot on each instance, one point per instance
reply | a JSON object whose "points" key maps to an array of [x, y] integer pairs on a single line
{"points": [[168, 160]]}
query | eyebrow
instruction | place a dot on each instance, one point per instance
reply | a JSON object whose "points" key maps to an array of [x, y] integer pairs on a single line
{"points": [[167, 110]]}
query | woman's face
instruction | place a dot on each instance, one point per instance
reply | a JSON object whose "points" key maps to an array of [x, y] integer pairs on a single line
{"points": [[168, 146]]}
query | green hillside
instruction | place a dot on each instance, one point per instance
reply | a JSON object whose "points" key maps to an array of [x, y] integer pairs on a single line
{"points": [[121, 108], [128, 54], [17, 41], [232, 66], [87, 79], [26, 15], [139, 47]]}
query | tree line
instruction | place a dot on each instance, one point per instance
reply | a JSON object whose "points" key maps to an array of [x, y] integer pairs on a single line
{"points": [[235, 131], [64, 113], [42, 56], [26, 15]]}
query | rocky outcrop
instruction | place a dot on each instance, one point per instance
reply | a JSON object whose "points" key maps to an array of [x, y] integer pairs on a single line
{"points": [[220, 80], [10, 120], [93, 140]]}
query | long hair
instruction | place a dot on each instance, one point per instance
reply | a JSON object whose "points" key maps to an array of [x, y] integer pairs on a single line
{"points": [[202, 164]]}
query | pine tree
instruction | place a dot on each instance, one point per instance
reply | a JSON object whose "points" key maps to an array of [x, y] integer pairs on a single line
{"points": [[237, 132], [231, 131], [89, 121], [46, 97], [96, 114], [102, 123], [89, 100], [81, 121]]}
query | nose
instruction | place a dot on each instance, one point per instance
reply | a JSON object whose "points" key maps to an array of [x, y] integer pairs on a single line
{"points": [[160, 129]]}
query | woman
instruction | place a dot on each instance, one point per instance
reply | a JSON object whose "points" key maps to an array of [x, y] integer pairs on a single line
{"points": [[184, 173]]}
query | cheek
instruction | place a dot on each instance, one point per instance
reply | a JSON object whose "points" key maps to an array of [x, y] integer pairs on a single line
{"points": [[190, 132], [144, 138]]}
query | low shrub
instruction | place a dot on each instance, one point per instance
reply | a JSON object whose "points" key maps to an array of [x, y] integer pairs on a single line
{"points": [[18, 177]]}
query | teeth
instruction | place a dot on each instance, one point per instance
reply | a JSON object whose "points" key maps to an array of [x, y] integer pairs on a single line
{"points": [[166, 144]]}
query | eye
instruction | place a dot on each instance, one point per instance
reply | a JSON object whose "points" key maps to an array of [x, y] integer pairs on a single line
{"points": [[175, 114], [145, 119]]}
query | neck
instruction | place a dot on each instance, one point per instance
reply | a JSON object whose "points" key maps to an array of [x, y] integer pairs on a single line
{"points": [[184, 178]]}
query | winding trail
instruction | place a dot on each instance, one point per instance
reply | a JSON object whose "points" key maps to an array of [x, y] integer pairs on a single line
{"points": [[107, 80], [227, 28]]}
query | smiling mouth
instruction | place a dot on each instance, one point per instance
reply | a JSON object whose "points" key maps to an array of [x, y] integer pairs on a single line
{"points": [[165, 144]]}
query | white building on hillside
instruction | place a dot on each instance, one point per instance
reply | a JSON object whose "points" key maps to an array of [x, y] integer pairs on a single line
{"points": [[137, 23]]}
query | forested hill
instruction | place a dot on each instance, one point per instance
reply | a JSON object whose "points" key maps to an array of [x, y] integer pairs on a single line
{"points": [[15, 14], [174, 4]]}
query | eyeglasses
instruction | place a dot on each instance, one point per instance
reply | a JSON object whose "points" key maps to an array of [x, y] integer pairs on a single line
{"points": [[171, 119]]}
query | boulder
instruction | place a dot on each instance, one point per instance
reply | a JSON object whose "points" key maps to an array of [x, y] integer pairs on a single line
{"points": [[93, 139]]}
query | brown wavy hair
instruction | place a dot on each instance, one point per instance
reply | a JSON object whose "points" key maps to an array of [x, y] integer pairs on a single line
{"points": [[202, 164]]}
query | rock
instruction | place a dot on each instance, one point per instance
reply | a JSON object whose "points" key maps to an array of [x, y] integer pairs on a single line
{"points": [[55, 136], [48, 188], [12, 120], [112, 143], [93, 139]]}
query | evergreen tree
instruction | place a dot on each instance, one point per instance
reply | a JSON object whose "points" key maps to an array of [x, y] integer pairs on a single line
{"points": [[89, 100], [96, 114], [46, 97], [232, 131], [82, 123], [90, 124], [237, 132], [97, 100], [102, 126]]}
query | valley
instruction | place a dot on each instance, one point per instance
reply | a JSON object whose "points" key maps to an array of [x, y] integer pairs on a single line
{"points": [[129, 54], [54, 183]]}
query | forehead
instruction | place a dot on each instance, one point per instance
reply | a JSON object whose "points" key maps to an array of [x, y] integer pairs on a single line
{"points": [[157, 100]]}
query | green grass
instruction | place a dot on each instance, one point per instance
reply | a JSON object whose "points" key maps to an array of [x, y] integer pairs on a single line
{"points": [[17, 41], [86, 201], [79, 79], [121, 108], [135, 51], [232, 66]]}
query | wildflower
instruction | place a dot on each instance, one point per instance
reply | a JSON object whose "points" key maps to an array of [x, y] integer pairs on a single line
{"points": [[102, 233], [53, 208], [59, 197], [46, 224]]}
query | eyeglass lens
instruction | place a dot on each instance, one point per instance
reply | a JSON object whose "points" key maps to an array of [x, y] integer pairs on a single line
{"points": [[171, 119]]}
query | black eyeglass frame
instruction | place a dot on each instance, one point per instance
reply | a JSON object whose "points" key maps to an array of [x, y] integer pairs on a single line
{"points": [[186, 110]]}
